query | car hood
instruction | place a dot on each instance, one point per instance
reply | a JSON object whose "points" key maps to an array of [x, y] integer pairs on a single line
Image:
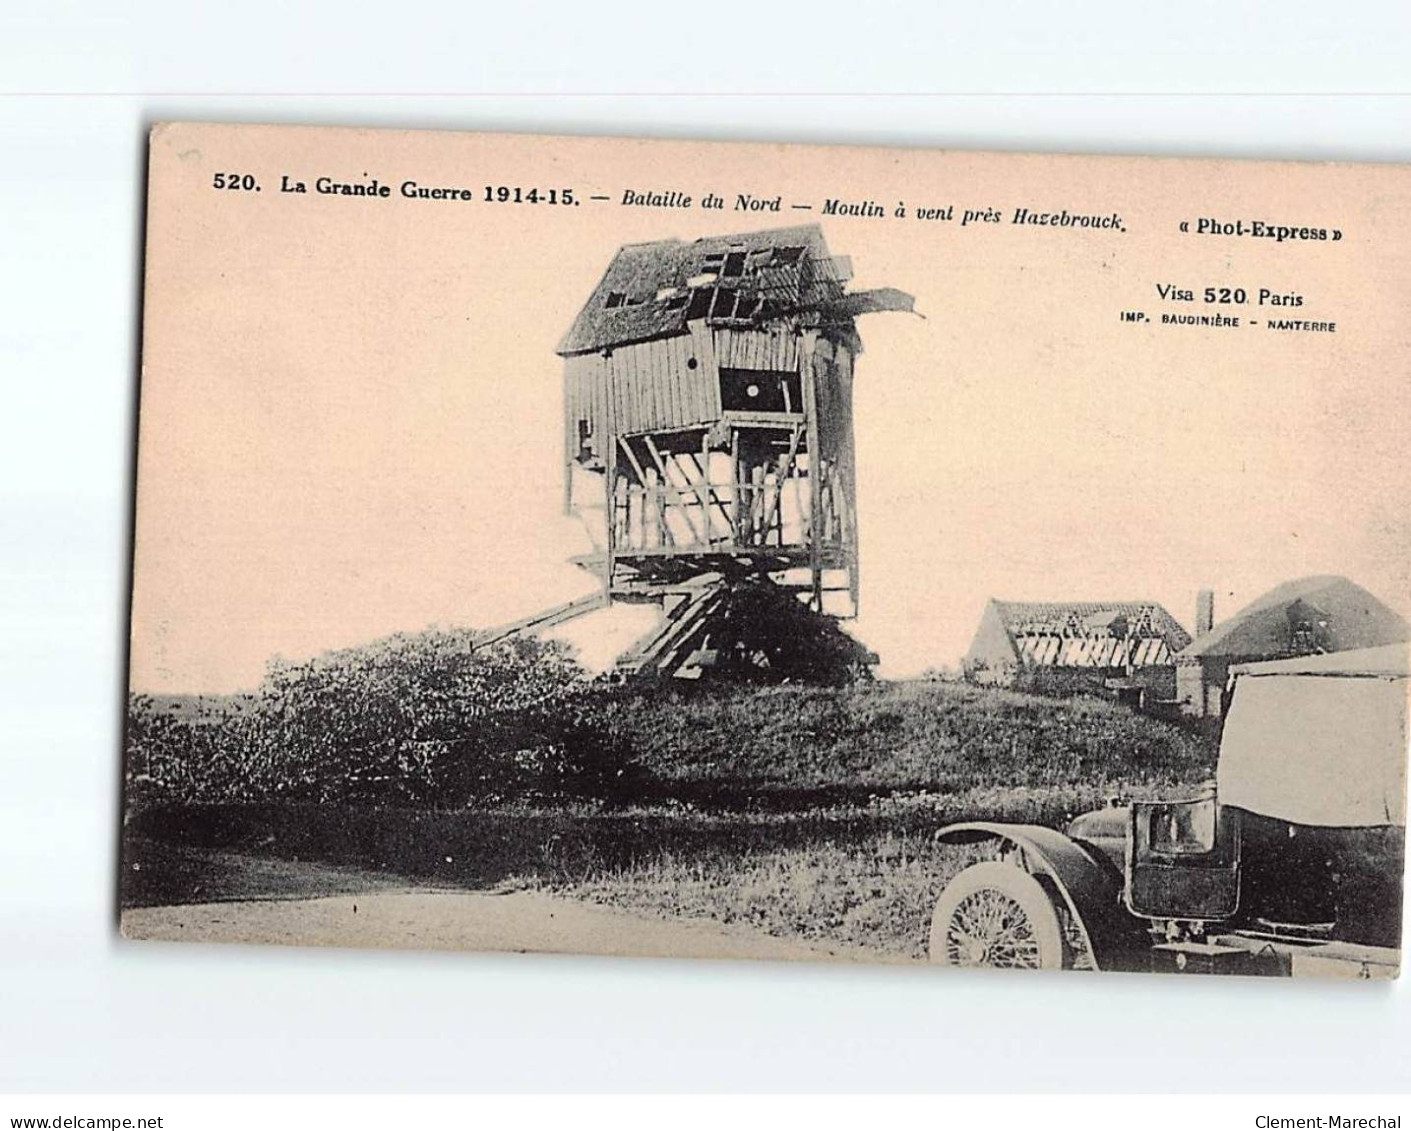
{"points": [[1104, 830]]}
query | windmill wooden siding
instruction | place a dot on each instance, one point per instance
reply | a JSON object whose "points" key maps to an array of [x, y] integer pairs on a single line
{"points": [[756, 349], [674, 382], [652, 386]]}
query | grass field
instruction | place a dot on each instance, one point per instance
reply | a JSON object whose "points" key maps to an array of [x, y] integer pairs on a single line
{"points": [[803, 812]]}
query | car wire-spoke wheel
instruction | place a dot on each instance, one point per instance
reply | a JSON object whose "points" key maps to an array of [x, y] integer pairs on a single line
{"points": [[994, 914], [989, 928]]}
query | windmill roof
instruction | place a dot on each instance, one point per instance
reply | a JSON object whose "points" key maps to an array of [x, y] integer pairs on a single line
{"points": [[651, 290]]}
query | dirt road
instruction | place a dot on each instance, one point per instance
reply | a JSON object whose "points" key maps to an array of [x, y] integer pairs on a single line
{"points": [[459, 920]]}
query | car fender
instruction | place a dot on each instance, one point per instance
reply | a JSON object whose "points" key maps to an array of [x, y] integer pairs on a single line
{"points": [[1089, 886]]}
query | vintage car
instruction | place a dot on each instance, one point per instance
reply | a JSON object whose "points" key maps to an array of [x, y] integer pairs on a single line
{"points": [[1290, 862]]}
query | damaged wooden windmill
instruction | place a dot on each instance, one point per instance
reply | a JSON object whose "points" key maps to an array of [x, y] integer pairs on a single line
{"points": [[708, 433]]}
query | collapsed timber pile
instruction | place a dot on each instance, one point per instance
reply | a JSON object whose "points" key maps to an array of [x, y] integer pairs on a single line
{"points": [[748, 631]]}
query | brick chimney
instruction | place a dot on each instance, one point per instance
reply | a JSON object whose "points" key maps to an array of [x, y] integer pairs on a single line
{"points": [[1204, 612]]}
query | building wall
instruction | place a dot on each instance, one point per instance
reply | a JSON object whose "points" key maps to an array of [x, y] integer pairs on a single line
{"points": [[1200, 685], [1159, 680], [998, 675], [991, 657], [1190, 687]]}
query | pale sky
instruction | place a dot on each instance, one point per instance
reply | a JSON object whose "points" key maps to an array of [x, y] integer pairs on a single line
{"points": [[351, 409]]}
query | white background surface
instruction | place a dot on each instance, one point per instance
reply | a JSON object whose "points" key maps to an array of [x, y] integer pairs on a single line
{"points": [[81, 1010]]}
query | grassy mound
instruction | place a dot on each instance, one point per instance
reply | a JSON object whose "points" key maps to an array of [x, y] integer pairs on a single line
{"points": [[809, 745]]}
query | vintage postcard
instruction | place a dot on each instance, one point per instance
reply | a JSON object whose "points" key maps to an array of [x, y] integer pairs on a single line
{"points": [[738, 550]]}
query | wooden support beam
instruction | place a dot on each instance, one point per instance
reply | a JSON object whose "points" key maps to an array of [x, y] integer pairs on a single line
{"points": [[547, 618], [847, 475], [658, 648], [799, 504], [825, 503], [655, 499], [653, 520], [702, 470], [632, 458], [701, 494], [739, 525], [785, 471], [624, 491], [756, 503], [675, 494], [610, 506], [808, 348]]}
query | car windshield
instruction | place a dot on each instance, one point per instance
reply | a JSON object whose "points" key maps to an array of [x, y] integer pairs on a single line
{"points": [[1184, 826]]}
